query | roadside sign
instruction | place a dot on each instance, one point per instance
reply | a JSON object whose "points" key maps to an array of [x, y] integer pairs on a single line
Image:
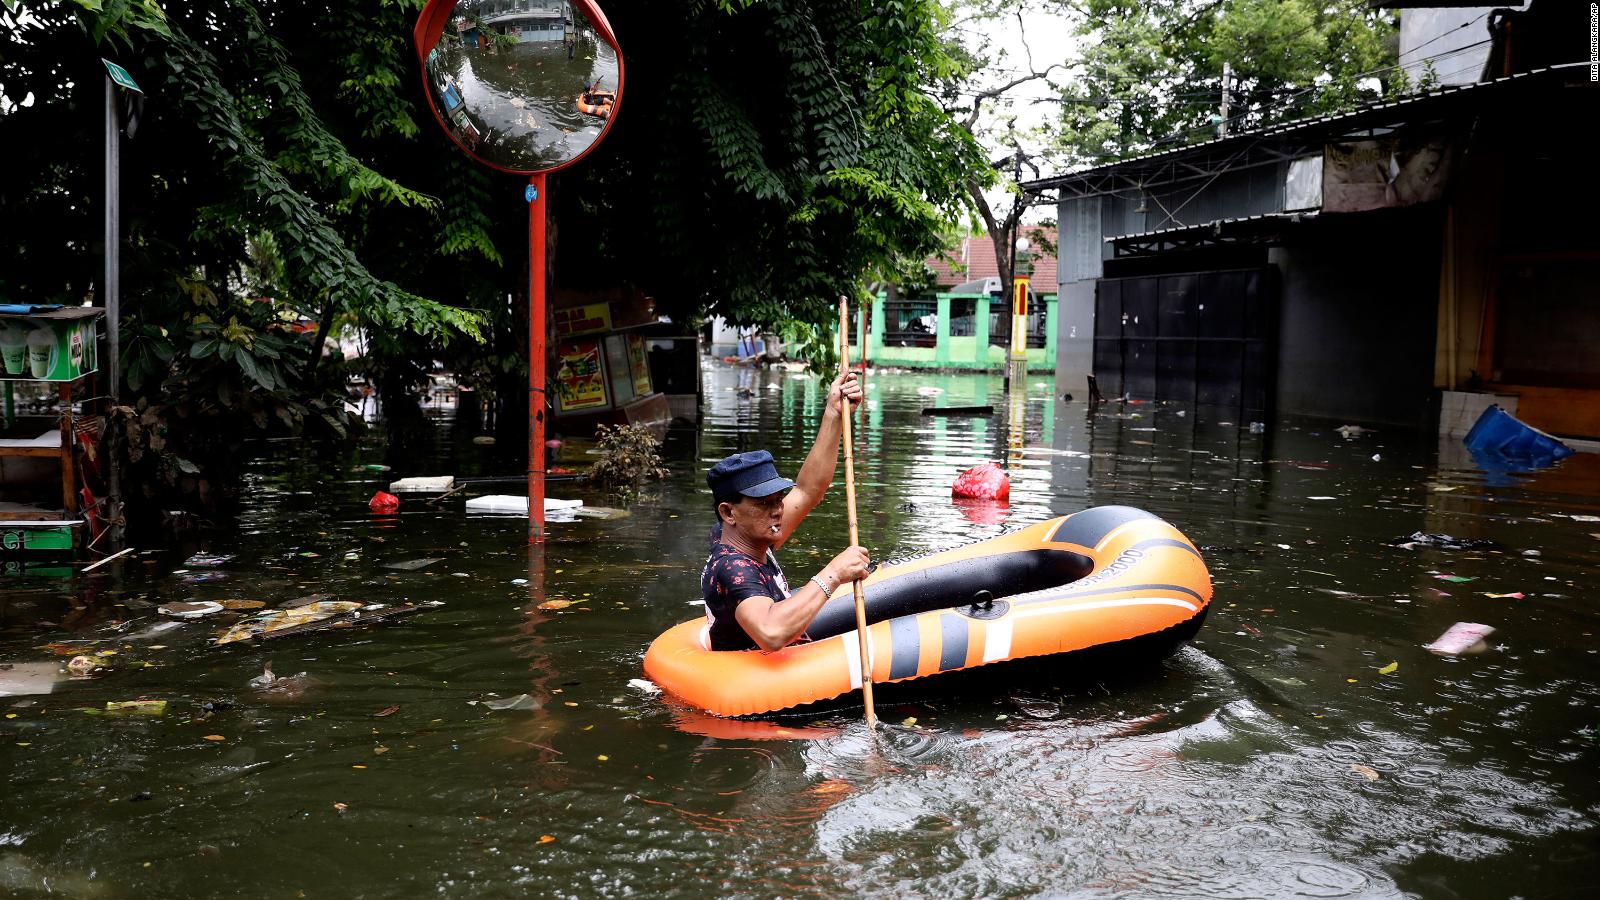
{"points": [[120, 76]]}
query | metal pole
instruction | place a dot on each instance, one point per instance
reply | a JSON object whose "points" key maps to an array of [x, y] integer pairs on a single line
{"points": [[113, 302], [536, 358], [1227, 76]]}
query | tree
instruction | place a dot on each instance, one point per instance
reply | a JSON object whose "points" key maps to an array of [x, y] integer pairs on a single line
{"points": [[249, 209], [983, 99], [773, 156], [767, 157], [1151, 73]]}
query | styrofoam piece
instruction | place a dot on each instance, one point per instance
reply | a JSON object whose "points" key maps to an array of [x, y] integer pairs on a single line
{"points": [[429, 484], [514, 505], [1462, 637], [29, 678], [195, 610]]}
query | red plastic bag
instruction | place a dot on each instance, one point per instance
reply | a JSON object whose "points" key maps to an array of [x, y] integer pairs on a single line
{"points": [[982, 482], [382, 502]]}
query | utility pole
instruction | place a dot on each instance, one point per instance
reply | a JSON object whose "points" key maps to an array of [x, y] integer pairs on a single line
{"points": [[1227, 77], [116, 77]]}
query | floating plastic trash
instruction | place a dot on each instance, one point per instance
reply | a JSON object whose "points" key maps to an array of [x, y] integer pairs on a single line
{"points": [[1498, 432], [207, 560], [194, 610], [414, 565], [519, 702], [382, 502], [1441, 542], [1463, 637], [982, 482], [514, 505]]}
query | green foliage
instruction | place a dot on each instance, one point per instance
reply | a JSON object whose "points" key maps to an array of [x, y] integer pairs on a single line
{"points": [[255, 211], [768, 156], [778, 153], [629, 456], [1150, 76]]}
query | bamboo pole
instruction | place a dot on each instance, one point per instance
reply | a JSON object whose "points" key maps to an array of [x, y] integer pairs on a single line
{"points": [[850, 512]]}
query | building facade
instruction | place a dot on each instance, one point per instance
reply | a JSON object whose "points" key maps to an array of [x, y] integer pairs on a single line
{"points": [[1364, 267]]}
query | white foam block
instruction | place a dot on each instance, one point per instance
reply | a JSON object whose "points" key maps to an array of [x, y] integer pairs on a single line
{"points": [[514, 505], [434, 484]]}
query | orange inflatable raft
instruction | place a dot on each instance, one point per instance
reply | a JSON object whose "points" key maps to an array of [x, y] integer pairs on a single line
{"points": [[597, 103], [1104, 577]]}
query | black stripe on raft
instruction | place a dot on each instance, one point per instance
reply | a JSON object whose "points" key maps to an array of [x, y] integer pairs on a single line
{"points": [[1165, 542], [1088, 527], [1048, 596], [906, 642], [952, 641]]}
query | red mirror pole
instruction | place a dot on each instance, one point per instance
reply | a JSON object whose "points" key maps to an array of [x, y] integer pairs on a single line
{"points": [[536, 358]]}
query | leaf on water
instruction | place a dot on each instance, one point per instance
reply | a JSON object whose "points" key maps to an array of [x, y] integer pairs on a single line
{"points": [[1389, 669], [1514, 595], [546, 839], [387, 711], [341, 807], [214, 737], [558, 603], [1366, 772], [909, 721], [243, 604]]}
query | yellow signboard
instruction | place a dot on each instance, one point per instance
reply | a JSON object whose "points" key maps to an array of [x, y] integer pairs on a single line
{"points": [[583, 319]]}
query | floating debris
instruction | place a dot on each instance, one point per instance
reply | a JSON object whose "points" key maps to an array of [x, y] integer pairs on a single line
{"points": [[29, 678], [414, 565], [207, 560], [204, 577], [517, 703], [188, 610], [1462, 637], [137, 707], [1441, 542]]}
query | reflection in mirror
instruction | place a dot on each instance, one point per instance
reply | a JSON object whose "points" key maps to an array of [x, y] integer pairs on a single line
{"points": [[524, 84]]}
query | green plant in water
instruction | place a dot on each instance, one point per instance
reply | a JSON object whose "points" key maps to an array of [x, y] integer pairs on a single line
{"points": [[629, 456]]}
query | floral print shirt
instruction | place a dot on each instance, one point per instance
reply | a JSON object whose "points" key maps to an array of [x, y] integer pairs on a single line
{"points": [[729, 578]]}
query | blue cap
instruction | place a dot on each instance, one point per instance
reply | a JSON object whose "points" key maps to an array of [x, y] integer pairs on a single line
{"points": [[749, 474]]}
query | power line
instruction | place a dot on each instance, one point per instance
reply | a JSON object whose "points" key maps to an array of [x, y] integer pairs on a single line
{"points": [[1445, 34]]}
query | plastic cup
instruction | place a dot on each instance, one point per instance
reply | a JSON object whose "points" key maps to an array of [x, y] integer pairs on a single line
{"points": [[41, 346], [13, 347]]}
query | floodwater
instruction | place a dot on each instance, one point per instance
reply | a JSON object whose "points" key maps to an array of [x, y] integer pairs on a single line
{"points": [[1304, 745]]}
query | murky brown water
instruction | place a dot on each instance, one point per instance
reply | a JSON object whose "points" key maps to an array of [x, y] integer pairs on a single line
{"points": [[1270, 759]]}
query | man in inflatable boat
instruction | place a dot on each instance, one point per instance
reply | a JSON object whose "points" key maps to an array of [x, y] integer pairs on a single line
{"points": [[748, 601]]}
